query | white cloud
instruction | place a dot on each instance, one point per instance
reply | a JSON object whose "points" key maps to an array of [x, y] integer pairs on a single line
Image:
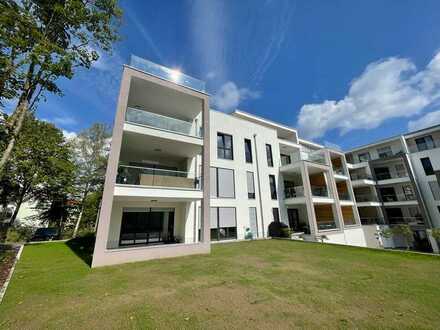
{"points": [[430, 119], [62, 121], [332, 145], [387, 89], [229, 96], [69, 135]]}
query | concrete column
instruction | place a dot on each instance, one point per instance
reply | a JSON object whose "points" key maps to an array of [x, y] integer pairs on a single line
{"points": [[205, 221], [308, 198]]}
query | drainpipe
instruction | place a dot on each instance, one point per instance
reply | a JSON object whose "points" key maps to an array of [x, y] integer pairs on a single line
{"points": [[259, 185]]}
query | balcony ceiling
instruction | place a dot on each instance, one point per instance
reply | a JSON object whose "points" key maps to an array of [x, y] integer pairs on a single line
{"points": [[145, 147], [162, 100]]}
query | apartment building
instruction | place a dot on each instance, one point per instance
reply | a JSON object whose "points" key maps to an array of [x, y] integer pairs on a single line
{"points": [[395, 182], [181, 176]]}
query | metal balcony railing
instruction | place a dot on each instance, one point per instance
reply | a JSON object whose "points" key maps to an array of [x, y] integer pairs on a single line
{"points": [[145, 118], [145, 176], [405, 220], [163, 72], [294, 192]]}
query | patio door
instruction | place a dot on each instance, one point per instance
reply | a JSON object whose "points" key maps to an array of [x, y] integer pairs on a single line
{"points": [[293, 217]]}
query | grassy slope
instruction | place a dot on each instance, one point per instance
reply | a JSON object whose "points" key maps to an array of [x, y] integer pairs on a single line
{"points": [[261, 284]]}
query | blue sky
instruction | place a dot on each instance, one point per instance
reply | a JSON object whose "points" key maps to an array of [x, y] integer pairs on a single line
{"points": [[342, 72]]}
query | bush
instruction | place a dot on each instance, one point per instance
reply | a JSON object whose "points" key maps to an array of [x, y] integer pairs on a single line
{"points": [[279, 229], [19, 234]]}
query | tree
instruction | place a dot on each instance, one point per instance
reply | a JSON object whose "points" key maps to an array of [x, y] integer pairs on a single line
{"points": [[402, 230], [51, 39], [91, 149], [40, 165]]}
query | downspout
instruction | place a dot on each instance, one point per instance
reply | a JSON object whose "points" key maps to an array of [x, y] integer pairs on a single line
{"points": [[259, 185]]}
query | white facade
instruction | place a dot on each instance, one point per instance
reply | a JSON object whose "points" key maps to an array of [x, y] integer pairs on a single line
{"points": [[181, 176]]}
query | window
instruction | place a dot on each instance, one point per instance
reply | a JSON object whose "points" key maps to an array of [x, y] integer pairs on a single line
{"points": [[250, 185], [364, 157], [248, 150], [382, 173], [427, 166], [222, 183], [285, 160], [273, 187], [223, 223], [425, 143], [385, 152], [276, 214], [224, 146], [253, 226], [269, 155], [435, 190], [408, 192]]}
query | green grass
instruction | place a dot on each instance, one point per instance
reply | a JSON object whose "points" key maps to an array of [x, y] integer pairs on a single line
{"points": [[260, 284]]}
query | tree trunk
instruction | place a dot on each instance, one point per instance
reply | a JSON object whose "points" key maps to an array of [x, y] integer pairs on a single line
{"points": [[17, 208], [22, 108]]}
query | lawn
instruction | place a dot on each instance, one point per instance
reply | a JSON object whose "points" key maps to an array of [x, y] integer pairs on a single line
{"points": [[260, 284]]}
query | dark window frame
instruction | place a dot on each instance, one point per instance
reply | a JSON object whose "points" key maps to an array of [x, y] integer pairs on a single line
{"points": [[248, 151], [217, 182], [269, 155], [216, 231], [276, 211], [251, 195], [273, 187], [427, 166], [222, 149]]}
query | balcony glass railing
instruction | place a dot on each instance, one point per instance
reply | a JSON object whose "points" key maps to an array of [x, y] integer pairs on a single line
{"points": [[326, 224], [145, 176], [365, 198], [398, 198], [294, 192], [146, 118], [166, 73], [314, 157], [427, 145], [372, 221], [361, 176], [339, 170], [405, 220], [391, 175], [349, 221], [319, 191], [344, 196]]}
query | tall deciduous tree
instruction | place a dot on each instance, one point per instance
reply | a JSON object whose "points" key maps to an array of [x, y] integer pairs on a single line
{"points": [[53, 38], [40, 165], [91, 149]]}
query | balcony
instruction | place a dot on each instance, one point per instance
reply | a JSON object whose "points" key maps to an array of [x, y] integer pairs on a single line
{"points": [[339, 171], [361, 176], [153, 177], [372, 221], [145, 118], [165, 73], [326, 224], [294, 192], [315, 157], [405, 220]]}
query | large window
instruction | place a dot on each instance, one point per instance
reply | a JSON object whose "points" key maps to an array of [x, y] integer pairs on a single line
{"points": [[222, 183], [253, 221], [364, 157], [425, 143], [273, 187], [285, 159], [248, 150], [427, 166], [269, 155], [250, 185], [146, 226], [276, 214], [225, 146], [223, 223], [435, 190]]}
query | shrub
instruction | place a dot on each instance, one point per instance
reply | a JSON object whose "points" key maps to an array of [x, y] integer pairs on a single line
{"points": [[19, 234]]}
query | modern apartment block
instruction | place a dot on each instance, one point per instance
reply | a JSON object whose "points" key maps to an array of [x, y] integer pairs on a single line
{"points": [[181, 176], [395, 182]]}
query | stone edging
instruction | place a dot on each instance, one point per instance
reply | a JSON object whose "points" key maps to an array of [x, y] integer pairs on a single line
{"points": [[11, 271]]}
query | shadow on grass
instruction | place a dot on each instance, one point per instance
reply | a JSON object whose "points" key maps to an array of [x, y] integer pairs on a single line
{"points": [[83, 248]]}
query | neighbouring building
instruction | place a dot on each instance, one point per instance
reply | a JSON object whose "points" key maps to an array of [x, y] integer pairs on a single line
{"points": [[181, 176]]}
